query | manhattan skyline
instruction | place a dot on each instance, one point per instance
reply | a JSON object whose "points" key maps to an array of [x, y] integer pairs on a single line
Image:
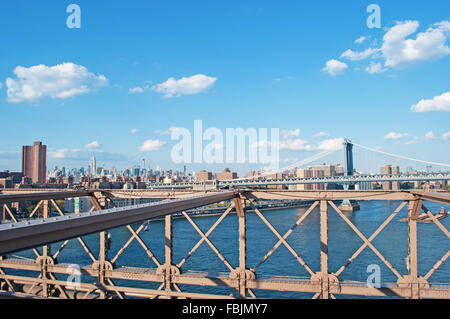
{"points": [[133, 73]]}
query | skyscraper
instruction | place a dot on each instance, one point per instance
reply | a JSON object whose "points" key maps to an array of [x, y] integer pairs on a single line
{"points": [[34, 162], [144, 170], [93, 166], [136, 170]]}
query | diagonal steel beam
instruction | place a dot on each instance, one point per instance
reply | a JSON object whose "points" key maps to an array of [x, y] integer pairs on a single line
{"points": [[436, 221], [289, 232], [25, 235], [358, 232], [31, 196], [221, 257], [375, 234], [206, 235], [437, 265], [285, 243], [135, 235]]}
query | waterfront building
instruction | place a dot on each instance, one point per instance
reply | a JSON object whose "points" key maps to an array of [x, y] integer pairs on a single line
{"points": [[77, 205], [226, 175], [203, 176], [390, 170]]}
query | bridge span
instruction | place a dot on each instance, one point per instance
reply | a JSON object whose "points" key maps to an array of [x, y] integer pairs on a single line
{"points": [[343, 180], [47, 237]]}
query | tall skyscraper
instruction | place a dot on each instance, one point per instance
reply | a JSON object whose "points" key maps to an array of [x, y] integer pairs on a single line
{"points": [[34, 162], [136, 170], [93, 167], [144, 170]]}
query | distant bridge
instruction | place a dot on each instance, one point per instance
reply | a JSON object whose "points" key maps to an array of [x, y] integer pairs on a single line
{"points": [[350, 179]]}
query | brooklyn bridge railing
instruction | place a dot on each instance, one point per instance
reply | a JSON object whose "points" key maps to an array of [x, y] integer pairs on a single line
{"points": [[47, 232]]}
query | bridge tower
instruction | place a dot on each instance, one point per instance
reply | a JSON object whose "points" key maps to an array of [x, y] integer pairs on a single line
{"points": [[348, 146], [348, 206]]}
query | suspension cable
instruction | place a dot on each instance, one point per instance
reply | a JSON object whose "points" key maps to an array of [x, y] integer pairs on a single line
{"points": [[301, 163], [401, 157]]}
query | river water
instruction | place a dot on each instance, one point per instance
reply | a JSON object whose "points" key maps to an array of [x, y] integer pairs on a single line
{"points": [[343, 242]]}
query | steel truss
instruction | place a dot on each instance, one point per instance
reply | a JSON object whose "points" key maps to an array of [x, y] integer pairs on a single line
{"points": [[241, 278]]}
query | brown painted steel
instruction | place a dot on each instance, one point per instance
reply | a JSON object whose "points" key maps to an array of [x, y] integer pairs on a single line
{"points": [[21, 236], [170, 277]]}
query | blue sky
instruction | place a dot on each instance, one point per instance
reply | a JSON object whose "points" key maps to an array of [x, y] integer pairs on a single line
{"points": [[262, 64]]}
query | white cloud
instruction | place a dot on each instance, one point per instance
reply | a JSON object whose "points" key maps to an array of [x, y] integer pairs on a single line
{"points": [[438, 103], [401, 52], [152, 145], [356, 56], [185, 86], [394, 136], [134, 131], [335, 67], [287, 145], [139, 89], [290, 133], [413, 141], [169, 131], [331, 144], [76, 154], [61, 81], [375, 68], [303, 145], [295, 145], [446, 136], [321, 134], [62, 153], [9, 155], [286, 78], [136, 90], [94, 144], [430, 135], [399, 49], [290, 160], [361, 39]]}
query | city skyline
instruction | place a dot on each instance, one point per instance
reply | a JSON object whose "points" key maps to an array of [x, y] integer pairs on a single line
{"points": [[316, 75]]}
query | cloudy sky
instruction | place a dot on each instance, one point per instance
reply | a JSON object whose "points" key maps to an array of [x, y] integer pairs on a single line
{"points": [[137, 70]]}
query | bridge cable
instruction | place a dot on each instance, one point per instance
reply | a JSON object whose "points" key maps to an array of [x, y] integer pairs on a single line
{"points": [[303, 162], [401, 157]]}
